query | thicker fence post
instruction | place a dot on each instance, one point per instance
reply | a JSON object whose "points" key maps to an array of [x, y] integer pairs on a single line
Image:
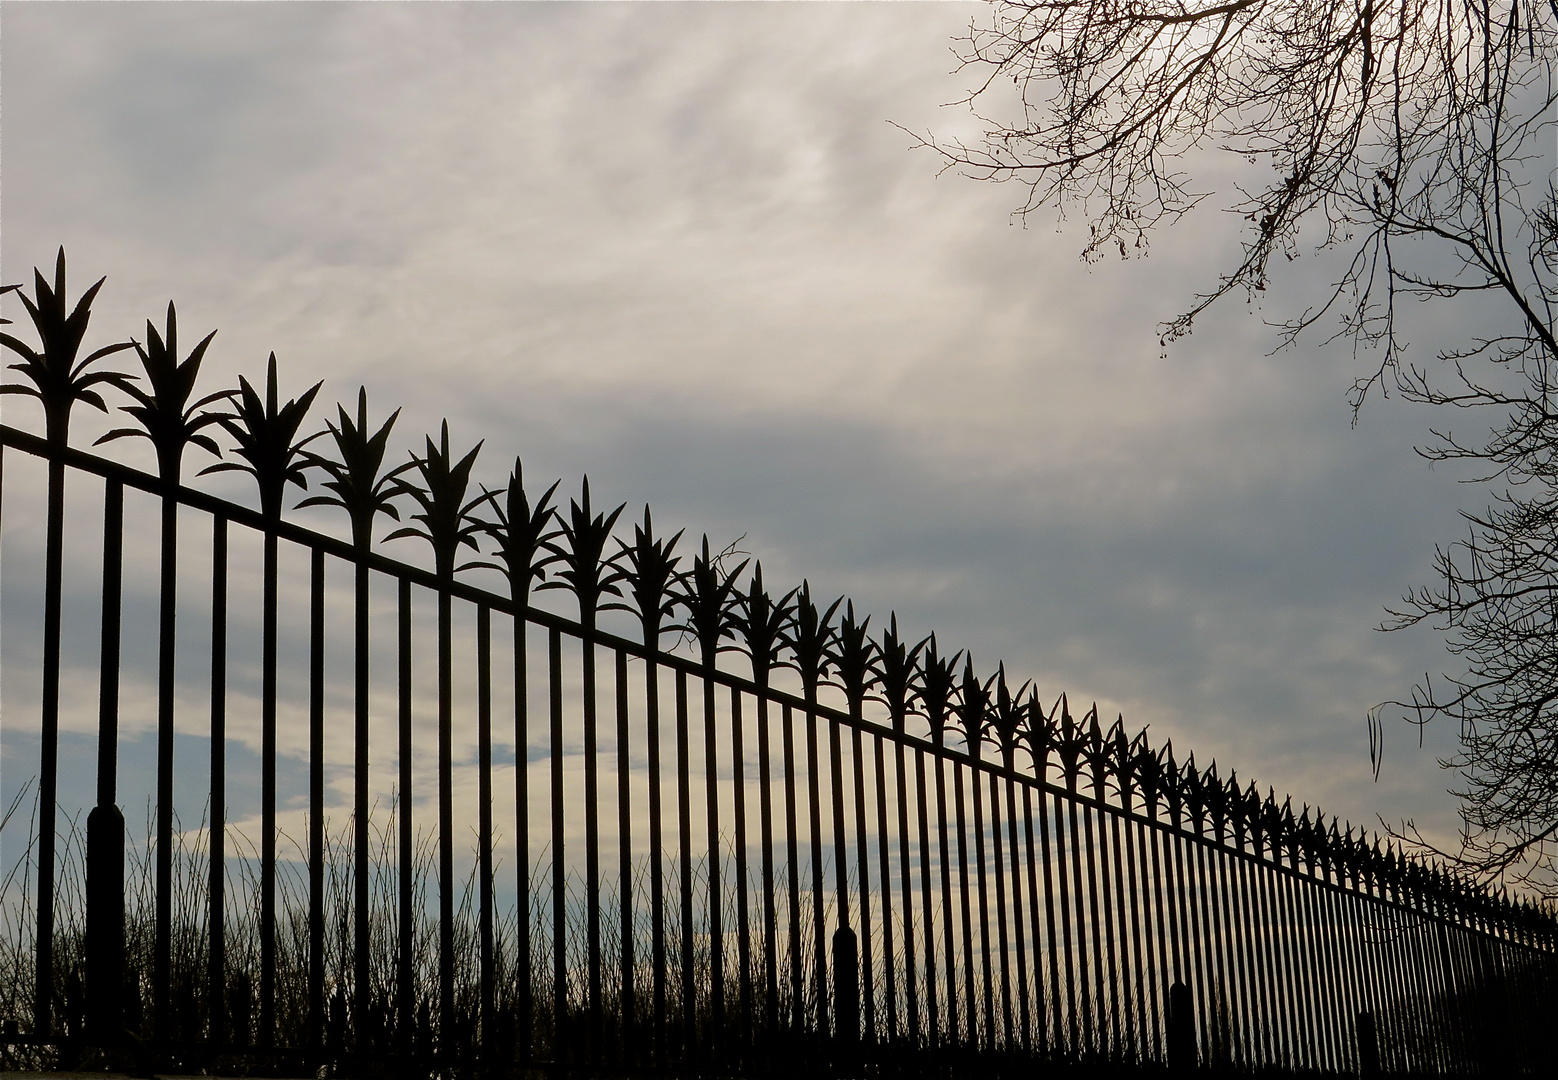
{"points": [[1368, 1045], [1181, 1029], [846, 987], [105, 824]]}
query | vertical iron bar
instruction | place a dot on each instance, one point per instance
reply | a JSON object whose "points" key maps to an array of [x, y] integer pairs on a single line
{"points": [[1019, 934], [105, 823], [1351, 902], [1252, 956], [1072, 1018], [1098, 885], [267, 1032], [1268, 920], [1304, 933], [625, 1008], [1211, 942], [1237, 1013], [405, 984], [863, 884], [48, 753], [684, 834], [1127, 1017], [1238, 968], [1156, 838], [1250, 873], [1440, 990], [884, 856], [797, 1016], [488, 1027], [714, 1032], [969, 1000], [591, 844], [1162, 879], [976, 785], [1276, 926], [910, 977], [1255, 996], [1061, 1018], [927, 919], [361, 943], [1281, 883], [316, 800], [1271, 948], [108, 690], [1333, 992], [948, 937], [1396, 981], [1346, 969], [1191, 927], [166, 682], [819, 927], [1364, 973], [560, 1034], [766, 823], [1324, 1002], [863, 874], [1212, 934], [1141, 929], [840, 855], [1136, 1018], [446, 1014], [1040, 1039], [162, 979], [1158, 977], [216, 958], [656, 857], [998, 860], [522, 963], [1325, 997], [743, 926], [1086, 1000]]}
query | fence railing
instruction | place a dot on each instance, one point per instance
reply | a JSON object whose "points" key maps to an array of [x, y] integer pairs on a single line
{"points": [[854, 854]]}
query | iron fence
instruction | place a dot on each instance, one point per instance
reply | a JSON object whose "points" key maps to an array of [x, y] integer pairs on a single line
{"points": [[971, 871], [856, 854]]}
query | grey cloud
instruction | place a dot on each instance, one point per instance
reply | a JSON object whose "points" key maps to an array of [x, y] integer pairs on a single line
{"points": [[680, 248]]}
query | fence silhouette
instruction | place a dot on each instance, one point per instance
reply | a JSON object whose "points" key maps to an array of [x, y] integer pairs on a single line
{"points": [[855, 854]]}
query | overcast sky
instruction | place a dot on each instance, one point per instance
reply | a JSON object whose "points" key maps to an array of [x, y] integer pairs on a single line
{"points": [[681, 248]]}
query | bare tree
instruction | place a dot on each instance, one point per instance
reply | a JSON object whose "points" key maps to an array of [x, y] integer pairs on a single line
{"points": [[1411, 140]]}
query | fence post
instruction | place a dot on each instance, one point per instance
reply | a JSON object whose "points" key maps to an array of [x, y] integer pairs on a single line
{"points": [[846, 986], [1368, 1045], [105, 924], [1181, 1030]]}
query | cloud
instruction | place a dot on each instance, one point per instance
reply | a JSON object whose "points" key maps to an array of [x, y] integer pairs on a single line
{"points": [[681, 248]]}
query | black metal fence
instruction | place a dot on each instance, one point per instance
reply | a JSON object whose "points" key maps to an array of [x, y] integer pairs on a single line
{"points": [[442, 824], [765, 879]]}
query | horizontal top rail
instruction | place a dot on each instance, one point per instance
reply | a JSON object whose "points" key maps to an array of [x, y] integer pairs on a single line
{"points": [[1427, 889]]}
